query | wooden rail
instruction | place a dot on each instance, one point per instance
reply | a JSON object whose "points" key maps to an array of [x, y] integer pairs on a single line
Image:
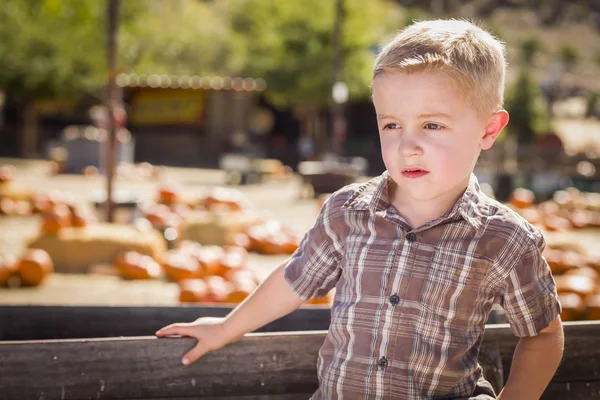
{"points": [[259, 366], [67, 322]]}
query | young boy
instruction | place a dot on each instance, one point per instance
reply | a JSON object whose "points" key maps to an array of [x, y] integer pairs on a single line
{"points": [[418, 255]]}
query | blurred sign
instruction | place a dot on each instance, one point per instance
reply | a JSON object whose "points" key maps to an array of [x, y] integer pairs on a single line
{"points": [[167, 107]]}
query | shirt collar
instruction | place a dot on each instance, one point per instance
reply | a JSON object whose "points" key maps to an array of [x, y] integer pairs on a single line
{"points": [[373, 196]]}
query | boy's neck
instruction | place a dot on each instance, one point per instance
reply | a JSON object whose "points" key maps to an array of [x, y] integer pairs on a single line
{"points": [[419, 212]]}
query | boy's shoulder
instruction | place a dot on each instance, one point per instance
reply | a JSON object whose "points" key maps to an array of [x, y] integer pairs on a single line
{"points": [[504, 221], [356, 196]]}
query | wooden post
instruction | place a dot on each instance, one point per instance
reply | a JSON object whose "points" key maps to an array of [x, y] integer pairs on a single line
{"points": [[337, 109], [111, 102]]}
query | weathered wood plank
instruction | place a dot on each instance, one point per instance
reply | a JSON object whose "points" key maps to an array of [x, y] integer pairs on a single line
{"points": [[302, 396], [143, 368], [581, 359], [572, 391], [64, 322], [258, 365]]}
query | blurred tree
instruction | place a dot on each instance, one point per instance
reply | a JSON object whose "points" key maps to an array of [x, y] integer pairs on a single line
{"points": [[530, 47], [176, 37], [593, 103], [523, 104], [50, 48], [41, 46], [289, 44], [569, 56]]}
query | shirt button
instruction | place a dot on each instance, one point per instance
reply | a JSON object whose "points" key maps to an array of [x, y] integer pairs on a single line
{"points": [[411, 237], [394, 299], [383, 362]]}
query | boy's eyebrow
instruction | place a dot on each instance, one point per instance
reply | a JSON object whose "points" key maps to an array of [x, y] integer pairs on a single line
{"points": [[435, 115], [421, 116]]}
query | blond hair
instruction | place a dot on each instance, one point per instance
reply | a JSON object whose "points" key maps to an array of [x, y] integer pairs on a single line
{"points": [[469, 54]]}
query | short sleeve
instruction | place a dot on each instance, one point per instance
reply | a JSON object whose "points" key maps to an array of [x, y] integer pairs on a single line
{"points": [[313, 270], [529, 299]]}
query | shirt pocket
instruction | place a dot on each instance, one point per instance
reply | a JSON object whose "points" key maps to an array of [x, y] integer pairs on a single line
{"points": [[455, 289]]}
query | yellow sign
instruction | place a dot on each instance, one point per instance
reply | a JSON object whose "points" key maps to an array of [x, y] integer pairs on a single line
{"points": [[167, 107]]}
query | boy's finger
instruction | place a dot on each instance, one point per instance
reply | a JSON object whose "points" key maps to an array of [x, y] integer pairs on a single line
{"points": [[174, 329], [198, 351]]}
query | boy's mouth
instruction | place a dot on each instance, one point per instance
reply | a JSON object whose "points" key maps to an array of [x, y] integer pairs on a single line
{"points": [[414, 172]]}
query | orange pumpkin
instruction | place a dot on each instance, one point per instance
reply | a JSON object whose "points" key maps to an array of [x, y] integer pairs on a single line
{"points": [[7, 206], [585, 271], [7, 173], [157, 214], [242, 289], [34, 267], [233, 258], [210, 260], [23, 207], [522, 198], [192, 291], [593, 307], [573, 306], [325, 300], [55, 219], [218, 289], [169, 193], [239, 239], [555, 223], [180, 266], [225, 199], [133, 265], [582, 285]]}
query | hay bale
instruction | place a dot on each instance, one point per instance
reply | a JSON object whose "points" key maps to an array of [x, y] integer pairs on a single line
{"points": [[75, 250], [14, 192], [213, 227]]}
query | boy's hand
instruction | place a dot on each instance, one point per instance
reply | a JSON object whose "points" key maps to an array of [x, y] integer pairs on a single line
{"points": [[210, 333]]}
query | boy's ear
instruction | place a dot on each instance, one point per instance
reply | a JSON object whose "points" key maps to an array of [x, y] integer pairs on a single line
{"points": [[496, 123]]}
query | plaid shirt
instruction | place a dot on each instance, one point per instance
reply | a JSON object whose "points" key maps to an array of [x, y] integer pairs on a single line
{"points": [[411, 304]]}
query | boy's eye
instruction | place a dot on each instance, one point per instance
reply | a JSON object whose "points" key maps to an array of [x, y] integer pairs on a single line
{"points": [[391, 126], [433, 127]]}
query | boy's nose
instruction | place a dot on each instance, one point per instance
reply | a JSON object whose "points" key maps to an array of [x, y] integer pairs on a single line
{"points": [[410, 147]]}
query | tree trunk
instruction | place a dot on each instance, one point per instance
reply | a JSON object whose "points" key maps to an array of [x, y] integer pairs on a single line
{"points": [[29, 140]]}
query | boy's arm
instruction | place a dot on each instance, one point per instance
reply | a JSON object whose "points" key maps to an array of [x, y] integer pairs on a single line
{"points": [[535, 361], [273, 299]]}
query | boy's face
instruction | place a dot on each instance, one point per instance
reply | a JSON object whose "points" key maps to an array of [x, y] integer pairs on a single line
{"points": [[430, 136]]}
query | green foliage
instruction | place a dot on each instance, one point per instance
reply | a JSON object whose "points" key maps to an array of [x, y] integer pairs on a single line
{"points": [[593, 102], [529, 48], [569, 55], [413, 14], [175, 37], [54, 47], [50, 46], [493, 27], [527, 115], [290, 45]]}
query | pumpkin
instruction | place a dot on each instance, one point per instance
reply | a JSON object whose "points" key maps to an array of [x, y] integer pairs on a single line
{"points": [[133, 265], [34, 267]]}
